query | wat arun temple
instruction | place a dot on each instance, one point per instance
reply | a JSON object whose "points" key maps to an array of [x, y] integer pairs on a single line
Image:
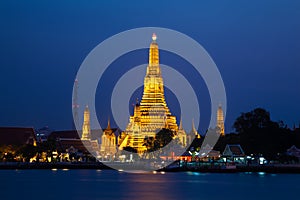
{"points": [[152, 113], [150, 116]]}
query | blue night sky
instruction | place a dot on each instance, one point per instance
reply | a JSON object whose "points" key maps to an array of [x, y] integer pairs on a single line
{"points": [[255, 44]]}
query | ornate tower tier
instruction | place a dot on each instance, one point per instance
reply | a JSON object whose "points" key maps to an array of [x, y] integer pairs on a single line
{"points": [[86, 128], [108, 141], [155, 113], [153, 110], [220, 120], [152, 114]]}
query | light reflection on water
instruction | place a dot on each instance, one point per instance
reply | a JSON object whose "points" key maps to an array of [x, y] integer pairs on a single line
{"points": [[108, 184]]}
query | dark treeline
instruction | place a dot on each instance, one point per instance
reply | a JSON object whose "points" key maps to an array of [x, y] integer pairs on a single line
{"points": [[254, 131], [258, 134]]}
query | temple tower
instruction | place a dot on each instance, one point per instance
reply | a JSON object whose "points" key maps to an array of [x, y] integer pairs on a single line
{"points": [[108, 141], [155, 113], [220, 120], [181, 134], [152, 113], [86, 128]]}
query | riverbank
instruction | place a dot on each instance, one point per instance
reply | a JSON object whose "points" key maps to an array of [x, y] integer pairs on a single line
{"points": [[278, 168], [275, 168], [58, 165]]}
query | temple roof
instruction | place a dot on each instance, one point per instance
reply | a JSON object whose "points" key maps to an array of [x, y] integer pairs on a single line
{"points": [[73, 134], [63, 144], [233, 150], [17, 136]]}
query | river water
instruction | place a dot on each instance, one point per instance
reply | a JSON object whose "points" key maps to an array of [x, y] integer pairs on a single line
{"points": [[109, 184]]}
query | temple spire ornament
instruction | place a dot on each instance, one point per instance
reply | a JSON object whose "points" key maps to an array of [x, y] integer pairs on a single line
{"points": [[152, 113], [86, 127], [108, 124], [194, 131], [220, 120], [154, 37]]}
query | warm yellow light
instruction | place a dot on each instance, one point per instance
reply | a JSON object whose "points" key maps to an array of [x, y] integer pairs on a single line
{"points": [[152, 113], [154, 36]]}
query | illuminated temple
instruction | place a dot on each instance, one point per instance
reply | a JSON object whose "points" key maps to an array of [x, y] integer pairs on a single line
{"points": [[152, 113], [220, 120]]}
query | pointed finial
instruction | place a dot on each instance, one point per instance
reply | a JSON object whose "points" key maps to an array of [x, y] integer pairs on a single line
{"points": [[108, 124], [194, 130], [154, 37], [193, 126], [180, 125]]}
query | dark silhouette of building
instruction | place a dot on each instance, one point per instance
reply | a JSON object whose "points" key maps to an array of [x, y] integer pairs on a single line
{"points": [[17, 136]]}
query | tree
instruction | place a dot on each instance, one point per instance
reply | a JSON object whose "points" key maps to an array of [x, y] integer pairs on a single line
{"points": [[260, 135], [27, 151], [48, 146], [164, 143], [258, 118], [163, 137]]}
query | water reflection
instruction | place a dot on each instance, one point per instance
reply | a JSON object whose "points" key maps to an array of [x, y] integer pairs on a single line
{"points": [[109, 184], [147, 186]]}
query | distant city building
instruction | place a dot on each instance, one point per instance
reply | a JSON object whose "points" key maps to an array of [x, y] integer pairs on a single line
{"points": [[220, 120]]}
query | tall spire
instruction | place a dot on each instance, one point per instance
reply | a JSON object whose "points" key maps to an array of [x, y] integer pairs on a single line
{"points": [[108, 124], [220, 120], [181, 134], [152, 114], [75, 105], [154, 52], [86, 128], [154, 37], [180, 125], [193, 127], [194, 130], [153, 82]]}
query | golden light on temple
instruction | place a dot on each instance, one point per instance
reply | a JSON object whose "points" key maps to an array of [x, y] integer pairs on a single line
{"points": [[152, 113], [86, 128], [154, 37], [108, 141], [220, 120]]}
